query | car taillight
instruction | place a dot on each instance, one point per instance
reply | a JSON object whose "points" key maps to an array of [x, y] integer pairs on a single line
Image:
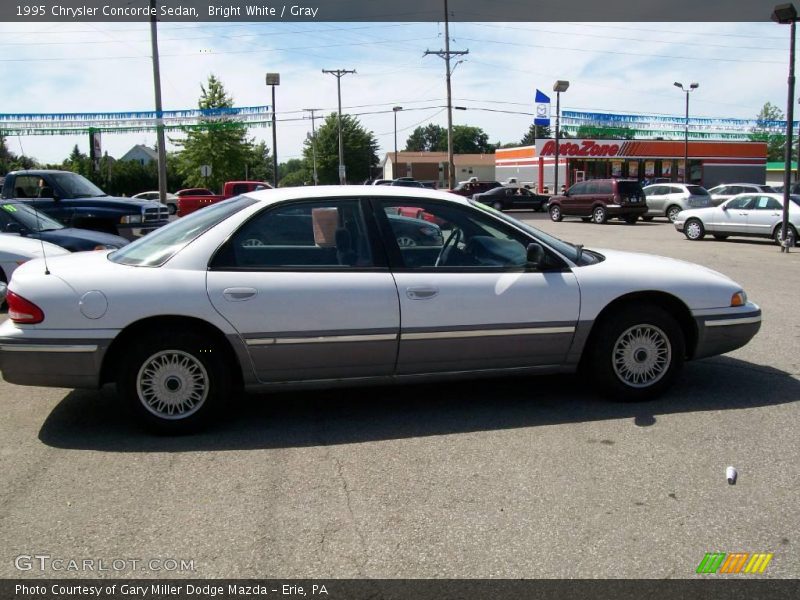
{"points": [[23, 311]]}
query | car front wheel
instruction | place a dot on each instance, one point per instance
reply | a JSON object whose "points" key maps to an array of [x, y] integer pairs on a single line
{"points": [[174, 381], [599, 215], [694, 230], [636, 353], [555, 214]]}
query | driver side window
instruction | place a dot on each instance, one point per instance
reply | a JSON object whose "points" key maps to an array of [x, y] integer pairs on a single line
{"points": [[435, 236]]}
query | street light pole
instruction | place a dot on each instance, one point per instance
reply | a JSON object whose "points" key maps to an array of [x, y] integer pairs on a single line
{"points": [[558, 87], [395, 109], [339, 73], [274, 79], [692, 87], [787, 14]]}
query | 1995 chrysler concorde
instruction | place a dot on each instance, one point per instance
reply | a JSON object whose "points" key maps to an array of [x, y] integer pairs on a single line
{"points": [[330, 285]]}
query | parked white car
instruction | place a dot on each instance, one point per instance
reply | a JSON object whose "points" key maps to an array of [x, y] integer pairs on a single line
{"points": [[16, 250], [668, 199], [726, 191], [306, 287], [749, 215], [172, 199]]}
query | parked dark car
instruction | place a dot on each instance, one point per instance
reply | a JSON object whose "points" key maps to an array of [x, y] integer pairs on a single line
{"points": [[504, 198], [598, 200], [470, 188], [19, 218]]}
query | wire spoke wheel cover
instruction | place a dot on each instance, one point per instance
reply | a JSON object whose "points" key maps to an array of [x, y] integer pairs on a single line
{"points": [[641, 355], [172, 384], [694, 230]]}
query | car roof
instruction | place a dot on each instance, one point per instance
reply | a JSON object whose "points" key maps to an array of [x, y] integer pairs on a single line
{"points": [[361, 191]]}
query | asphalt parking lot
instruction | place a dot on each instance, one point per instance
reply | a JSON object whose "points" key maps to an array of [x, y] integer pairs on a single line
{"points": [[521, 478]]}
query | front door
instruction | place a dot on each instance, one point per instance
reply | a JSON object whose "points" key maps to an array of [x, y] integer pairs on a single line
{"points": [[468, 302], [732, 217], [308, 290]]}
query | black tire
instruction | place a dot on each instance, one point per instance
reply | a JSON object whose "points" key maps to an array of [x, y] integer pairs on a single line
{"points": [[555, 213], [631, 219], [599, 215], [174, 359], [693, 230], [497, 205], [172, 208], [647, 218], [720, 236], [635, 344], [672, 212], [776, 235]]}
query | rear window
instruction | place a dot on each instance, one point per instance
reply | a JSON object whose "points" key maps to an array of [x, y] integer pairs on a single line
{"points": [[627, 188], [697, 190]]}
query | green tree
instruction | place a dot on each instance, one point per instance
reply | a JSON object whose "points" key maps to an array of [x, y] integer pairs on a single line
{"points": [[221, 143], [433, 138], [359, 145], [259, 163], [770, 129], [295, 172], [535, 132]]}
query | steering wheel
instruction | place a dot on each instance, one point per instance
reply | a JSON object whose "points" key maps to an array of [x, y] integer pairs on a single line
{"points": [[454, 238]]}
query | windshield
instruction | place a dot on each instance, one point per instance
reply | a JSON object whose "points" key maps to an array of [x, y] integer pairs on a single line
{"points": [[571, 251], [76, 186], [30, 218], [158, 247]]}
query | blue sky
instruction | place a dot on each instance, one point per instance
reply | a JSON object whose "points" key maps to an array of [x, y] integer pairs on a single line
{"points": [[628, 67]]}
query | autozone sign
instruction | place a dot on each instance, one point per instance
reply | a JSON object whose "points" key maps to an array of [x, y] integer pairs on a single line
{"points": [[569, 148]]}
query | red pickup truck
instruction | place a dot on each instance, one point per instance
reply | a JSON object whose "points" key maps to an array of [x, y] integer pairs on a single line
{"points": [[188, 203]]}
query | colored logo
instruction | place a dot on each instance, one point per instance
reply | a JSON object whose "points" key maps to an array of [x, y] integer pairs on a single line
{"points": [[736, 562]]}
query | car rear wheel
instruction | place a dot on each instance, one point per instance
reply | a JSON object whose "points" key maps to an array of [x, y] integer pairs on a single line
{"points": [[791, 234], [599, 215], [694, 230], [555, 214], [672, 212], [497, 205], [636, 353], [174, 381], [172, 208], [647, 218]]}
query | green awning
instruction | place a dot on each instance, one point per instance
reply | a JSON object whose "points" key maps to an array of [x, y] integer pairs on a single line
{"points": [[779, 166]]}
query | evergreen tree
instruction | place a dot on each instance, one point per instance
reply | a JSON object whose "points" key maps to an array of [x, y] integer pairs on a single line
{"points": [[535, 132], [221, 143]]}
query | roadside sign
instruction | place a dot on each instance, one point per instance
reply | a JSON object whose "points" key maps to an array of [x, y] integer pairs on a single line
{"points": [[205, 170]]}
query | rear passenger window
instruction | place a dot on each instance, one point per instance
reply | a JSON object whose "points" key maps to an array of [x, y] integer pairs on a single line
{"points": [[300, 235], [603, 187]]}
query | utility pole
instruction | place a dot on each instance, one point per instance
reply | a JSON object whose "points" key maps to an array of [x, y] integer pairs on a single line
{"points": [[313, 143], [162, 149], [339, 73], [446, 54]]}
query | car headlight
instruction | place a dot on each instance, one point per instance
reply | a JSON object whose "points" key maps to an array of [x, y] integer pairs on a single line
{"points": [[127, 219]]}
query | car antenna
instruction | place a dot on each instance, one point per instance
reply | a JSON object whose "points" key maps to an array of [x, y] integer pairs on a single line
{"points": [[41, 241]]}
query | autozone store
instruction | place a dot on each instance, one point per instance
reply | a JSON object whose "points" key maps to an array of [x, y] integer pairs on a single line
{"points": [[710, 163]]}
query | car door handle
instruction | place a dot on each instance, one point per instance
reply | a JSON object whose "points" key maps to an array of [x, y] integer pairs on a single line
{"points": [[237, 294], [422, 293]]}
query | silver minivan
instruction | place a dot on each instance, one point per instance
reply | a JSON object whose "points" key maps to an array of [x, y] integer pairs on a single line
{"points": [[668, 199]]}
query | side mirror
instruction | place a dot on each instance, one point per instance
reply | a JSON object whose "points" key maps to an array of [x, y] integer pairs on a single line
{"points": [[13, 228], [724, 207], [535, 254]]}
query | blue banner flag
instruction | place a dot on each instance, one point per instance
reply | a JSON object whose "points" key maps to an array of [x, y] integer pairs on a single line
{"points": [[542, 118]]}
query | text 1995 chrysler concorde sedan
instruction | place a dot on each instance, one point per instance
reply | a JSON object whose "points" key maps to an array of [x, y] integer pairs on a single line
{"points": [[310, 287]]}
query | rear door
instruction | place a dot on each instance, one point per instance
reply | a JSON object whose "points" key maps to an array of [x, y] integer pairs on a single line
{"points": [[767, 212], [307, 287], [655, 197]]}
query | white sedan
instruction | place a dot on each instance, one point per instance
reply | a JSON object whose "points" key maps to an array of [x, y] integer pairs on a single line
{"points": [[310, 287], [748, 215], [16, 250]]}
